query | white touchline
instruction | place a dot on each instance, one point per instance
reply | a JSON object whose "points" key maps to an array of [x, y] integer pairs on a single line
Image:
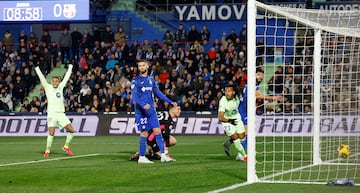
{"points": [[229, 187], [47, 160]]}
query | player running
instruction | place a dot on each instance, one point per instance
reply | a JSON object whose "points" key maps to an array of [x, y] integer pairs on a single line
{"points": [[167, 121], [143, 88], [230, 118], [56, 110], [243, 109]]}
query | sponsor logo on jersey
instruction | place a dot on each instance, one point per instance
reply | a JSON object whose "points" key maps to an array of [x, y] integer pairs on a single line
{"points": [[146, 88]]}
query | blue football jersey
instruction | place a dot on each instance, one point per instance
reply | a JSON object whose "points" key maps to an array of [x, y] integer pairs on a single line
{"points": [[143, 89], [243, 104]]}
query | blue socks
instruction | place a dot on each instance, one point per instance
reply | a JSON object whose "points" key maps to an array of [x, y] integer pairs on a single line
{"points": [[142, 145], [160, 142], [244, 143]]}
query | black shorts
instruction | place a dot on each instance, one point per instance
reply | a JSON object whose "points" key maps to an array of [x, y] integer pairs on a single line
{"points": [[153, 144]]}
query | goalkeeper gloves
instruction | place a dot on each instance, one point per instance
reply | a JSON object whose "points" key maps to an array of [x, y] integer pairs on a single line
{"points": [[232, 121]]}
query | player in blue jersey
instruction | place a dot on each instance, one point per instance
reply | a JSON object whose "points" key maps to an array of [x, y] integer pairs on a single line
{"points": [[143, 88], [167, 121], [243, 108]]}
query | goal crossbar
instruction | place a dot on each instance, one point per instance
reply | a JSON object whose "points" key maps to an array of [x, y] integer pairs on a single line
{"points": [[311, 18]]}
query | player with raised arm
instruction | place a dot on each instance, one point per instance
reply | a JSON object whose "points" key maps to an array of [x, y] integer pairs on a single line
{"points": [[167, 122], [243, 109], [230, 118], [56, 110], [143, 88]]}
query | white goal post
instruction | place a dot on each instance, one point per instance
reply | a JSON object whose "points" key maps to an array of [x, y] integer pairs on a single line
{"points": [[312, 58]]}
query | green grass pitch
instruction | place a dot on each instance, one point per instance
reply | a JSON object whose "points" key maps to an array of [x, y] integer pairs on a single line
{"points": [[201, 166]]}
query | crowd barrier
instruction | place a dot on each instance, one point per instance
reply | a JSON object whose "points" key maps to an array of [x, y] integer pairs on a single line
{"points": [[206, 123]]}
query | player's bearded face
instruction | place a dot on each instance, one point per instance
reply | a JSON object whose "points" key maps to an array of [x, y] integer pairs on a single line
{"points": [[229, 93], [259, 77], [143, 67]]}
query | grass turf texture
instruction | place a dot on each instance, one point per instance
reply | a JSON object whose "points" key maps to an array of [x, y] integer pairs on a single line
{"points": [[201, 166]]}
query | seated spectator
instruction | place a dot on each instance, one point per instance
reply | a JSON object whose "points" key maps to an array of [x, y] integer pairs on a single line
{"points": [[84, 90], [26, 107], [111, 62], [6, 103]]}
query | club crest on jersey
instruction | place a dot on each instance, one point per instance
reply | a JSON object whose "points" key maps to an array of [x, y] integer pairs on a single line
{"points": [[58, 95]]}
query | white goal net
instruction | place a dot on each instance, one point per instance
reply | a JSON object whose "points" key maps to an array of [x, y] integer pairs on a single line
{"points": [[311, 58]]}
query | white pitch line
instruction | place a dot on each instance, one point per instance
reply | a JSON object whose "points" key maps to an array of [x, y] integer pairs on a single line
{"points": [[230, 187], [263, 179], [47, 160]]}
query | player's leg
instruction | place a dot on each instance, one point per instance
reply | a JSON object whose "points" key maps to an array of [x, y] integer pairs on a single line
{"points": [[142, 148], [153, 123], [227, 145], [237, 138], [142, 142], [244, 141], [160, 144], [159, 140], [232, 131], [70, 135], [51, 122], [244, 120], [228, 142], [66, 124], [172, 140], [142, 125], [49, 141], [134, 157], [153, 152]]}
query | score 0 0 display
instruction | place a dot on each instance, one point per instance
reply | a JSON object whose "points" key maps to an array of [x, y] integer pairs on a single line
{"points": [[18, 11]]}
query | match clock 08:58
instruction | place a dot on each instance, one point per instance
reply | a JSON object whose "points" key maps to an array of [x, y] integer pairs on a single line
{"points": [[23, 14]]}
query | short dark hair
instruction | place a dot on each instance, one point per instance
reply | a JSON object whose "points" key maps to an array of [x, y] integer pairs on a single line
{"points": [[236, 88], [259, 70]]}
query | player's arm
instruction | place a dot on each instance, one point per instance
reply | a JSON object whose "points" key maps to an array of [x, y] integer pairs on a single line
{"points": [[135, 95], [222, 118], [162, 96], [267, 97], [67, 76], [40, 75], [221, 114]]}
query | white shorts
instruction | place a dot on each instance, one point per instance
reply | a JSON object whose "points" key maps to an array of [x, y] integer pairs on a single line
{"points": [[231, 129], [57, 119]]}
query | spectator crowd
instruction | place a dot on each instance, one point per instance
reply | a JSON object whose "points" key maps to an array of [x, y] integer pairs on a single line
{"points": [[187, 65]]}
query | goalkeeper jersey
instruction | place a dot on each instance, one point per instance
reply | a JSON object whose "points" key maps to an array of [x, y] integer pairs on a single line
{"points": [[230, 107], [54, 96]]}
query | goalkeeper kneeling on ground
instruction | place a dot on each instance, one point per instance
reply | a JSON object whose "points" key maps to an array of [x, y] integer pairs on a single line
{"points": [[167, 122]]}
